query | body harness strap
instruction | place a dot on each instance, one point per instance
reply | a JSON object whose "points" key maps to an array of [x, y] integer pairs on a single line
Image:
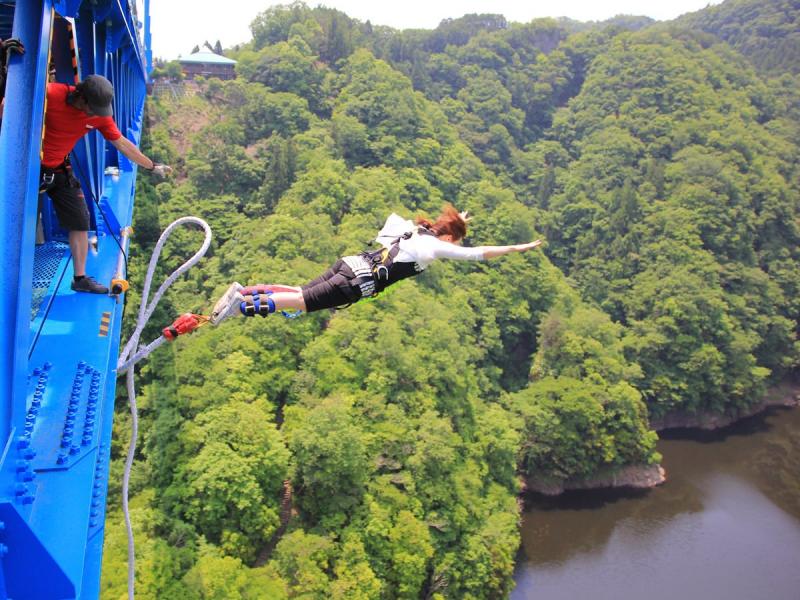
{"points": [[49, 174], [381, 261]]}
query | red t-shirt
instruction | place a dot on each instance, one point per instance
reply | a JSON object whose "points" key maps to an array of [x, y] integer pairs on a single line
{"points": [[64, 125]]}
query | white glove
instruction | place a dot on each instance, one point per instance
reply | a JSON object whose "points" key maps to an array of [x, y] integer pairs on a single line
{"points": [[161, 170]]}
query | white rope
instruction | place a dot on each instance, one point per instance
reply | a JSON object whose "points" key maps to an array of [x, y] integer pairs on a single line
{"points": [[142, 353], [126, 362]]}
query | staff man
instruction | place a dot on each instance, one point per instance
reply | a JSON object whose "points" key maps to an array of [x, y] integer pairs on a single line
{"points": [[71, 112]]}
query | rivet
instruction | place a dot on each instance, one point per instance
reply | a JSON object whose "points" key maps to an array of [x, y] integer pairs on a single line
{"points": [[74, 449], [29, 454], [20, 489], [47, 366], [23, 442], [27, 499], [62, 458]]}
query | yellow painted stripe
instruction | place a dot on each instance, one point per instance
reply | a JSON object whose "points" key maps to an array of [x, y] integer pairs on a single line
{"points": [[105, 321]]}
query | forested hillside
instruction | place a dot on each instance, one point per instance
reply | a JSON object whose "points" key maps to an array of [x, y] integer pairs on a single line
{"points": [[376, 452], [768, 33]]}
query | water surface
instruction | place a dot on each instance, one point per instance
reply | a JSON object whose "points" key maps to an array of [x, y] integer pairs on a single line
{"points": [[725, 526]]}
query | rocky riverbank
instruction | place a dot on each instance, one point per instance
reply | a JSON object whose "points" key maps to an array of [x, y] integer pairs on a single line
{"points": [[648, 476], [785, 394], [632, 476]]}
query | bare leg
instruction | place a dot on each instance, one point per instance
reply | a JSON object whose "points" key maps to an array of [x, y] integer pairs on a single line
{"points": [[79, 246], [289, 300]]}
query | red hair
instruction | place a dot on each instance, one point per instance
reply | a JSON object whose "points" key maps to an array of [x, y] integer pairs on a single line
{"points": [[449, 222]]}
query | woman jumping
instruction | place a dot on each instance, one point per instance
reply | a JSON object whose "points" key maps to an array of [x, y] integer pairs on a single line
{"points": [[407, 250]]}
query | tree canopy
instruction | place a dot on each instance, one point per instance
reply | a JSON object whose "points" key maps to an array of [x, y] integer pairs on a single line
{"points": [[376, 452]]}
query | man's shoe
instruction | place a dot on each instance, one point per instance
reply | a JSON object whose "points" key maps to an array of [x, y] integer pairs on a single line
{"points": [[87, 284]]}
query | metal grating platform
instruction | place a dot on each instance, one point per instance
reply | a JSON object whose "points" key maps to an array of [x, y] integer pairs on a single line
{"points": [[46, 260]]}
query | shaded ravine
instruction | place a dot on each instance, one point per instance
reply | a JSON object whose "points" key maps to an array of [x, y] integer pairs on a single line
{"points": [[725, 525]]}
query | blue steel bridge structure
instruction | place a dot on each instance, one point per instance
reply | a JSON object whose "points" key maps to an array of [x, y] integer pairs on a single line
{"points": [[58, 348]]}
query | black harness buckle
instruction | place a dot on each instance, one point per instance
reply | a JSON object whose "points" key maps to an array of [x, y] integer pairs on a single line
{"points": [[382, 272], [48, 177]]}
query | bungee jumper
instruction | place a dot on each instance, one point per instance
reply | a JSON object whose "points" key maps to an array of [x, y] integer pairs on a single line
{"points": [[408, 248]]}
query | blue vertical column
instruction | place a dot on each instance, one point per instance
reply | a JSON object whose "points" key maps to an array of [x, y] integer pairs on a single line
{"points": [[148, 41], [20, 141]]}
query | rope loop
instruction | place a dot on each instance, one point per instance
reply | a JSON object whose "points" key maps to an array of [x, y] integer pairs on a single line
{"points": [[126, 361]]}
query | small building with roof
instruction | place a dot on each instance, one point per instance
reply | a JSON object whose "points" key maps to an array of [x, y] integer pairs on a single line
{"points": [[208, 64]]}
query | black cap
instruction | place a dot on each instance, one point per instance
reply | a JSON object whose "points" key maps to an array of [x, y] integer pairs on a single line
{"points": [[98, 93]]}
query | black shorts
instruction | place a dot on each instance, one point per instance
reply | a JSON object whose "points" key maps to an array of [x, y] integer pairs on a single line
{"points": [[335, 287], [67, 196]]}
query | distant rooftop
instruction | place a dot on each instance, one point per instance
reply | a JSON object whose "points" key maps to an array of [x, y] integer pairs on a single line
{"points": [[207, 58]]}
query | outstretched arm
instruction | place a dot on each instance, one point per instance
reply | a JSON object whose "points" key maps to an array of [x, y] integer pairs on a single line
{"points": [[495, 251], [132, 153]]}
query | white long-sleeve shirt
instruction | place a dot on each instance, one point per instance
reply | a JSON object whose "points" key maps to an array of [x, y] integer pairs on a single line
{"points": [[421, 249], [424, 249]]}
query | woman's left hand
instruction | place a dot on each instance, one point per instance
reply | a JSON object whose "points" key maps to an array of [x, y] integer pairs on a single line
{"points": [[528, 246]]}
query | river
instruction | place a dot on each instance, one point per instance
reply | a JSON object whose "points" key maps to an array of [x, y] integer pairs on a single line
{"points": [[725, 525]]}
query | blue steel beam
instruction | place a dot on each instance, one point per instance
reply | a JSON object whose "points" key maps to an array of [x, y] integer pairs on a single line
{"points": [[57, 394], [26, 567], [19, 174], [148, 41]]}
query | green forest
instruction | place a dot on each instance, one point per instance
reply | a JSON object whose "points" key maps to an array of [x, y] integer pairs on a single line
{"points": [[379, 452]]}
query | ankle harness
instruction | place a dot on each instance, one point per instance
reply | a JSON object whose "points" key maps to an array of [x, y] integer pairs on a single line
{"points": [[257, 301]]}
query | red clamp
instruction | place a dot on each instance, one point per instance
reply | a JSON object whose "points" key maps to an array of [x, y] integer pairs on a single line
{"points": [[186, 323]]}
